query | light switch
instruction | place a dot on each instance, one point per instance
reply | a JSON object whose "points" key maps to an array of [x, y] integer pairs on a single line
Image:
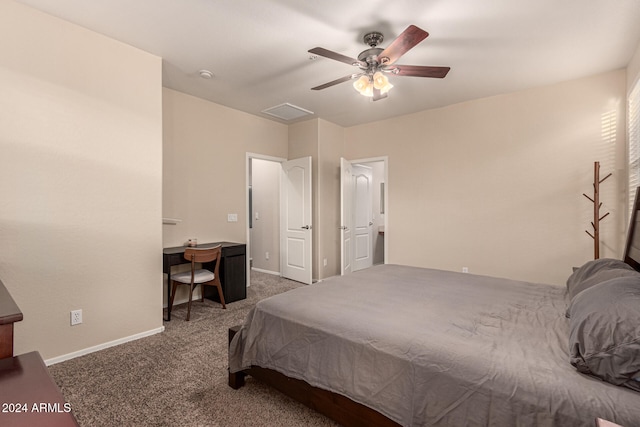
{"points": [[232, 217]]}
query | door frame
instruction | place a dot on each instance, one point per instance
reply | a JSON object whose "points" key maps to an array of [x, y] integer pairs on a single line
{"points": [[385, 160], [346, 217]]}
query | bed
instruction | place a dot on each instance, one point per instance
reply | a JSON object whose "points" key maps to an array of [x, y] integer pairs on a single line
{"points": [[399, 345]]}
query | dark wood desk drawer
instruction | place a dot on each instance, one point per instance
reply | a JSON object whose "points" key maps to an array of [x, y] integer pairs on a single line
{"points": [[234, 250]]}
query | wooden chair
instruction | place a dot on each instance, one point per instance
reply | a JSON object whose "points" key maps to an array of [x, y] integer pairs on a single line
{"points": [[198, 276]]}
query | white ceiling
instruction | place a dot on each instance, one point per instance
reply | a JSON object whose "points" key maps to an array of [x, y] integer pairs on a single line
{"points": [[257, 49]]}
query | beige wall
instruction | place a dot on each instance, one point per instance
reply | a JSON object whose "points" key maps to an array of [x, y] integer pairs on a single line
{"points": [[205, 168], [330, 150], [204, 172], [81, 167], [496, 184]]}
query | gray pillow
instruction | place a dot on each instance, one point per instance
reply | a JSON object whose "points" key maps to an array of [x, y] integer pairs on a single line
{"points": [[591, 268], [600, 276], [604, 331]]}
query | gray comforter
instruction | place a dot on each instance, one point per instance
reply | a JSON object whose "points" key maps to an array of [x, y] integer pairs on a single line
{"points": [[430, 347]]}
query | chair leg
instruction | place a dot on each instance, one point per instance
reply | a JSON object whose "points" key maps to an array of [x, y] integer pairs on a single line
{"points": [[189, 305], [173, 295], [220, 294]]}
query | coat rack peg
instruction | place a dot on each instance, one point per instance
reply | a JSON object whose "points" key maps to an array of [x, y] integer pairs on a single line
{"points": [[602, 180], [597, 204]]}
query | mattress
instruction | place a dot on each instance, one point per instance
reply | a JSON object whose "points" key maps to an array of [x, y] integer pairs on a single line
{"points": [[433, 348]]}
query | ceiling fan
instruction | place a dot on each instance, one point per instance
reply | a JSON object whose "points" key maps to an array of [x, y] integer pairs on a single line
{"points": [[375, 63]]}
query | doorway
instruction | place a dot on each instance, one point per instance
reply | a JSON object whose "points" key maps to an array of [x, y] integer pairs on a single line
{"points": [[279, 216], [264, 215]]}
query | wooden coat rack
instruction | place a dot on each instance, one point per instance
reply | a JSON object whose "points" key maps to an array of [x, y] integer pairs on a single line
{"points": [[596, 209]]}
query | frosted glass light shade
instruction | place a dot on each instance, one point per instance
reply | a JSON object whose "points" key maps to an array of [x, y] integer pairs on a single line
{"points": [[361, 84], [381, 82]]}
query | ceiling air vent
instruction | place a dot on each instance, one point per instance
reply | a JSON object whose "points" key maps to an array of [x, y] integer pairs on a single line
{"points": [[287, 111]]}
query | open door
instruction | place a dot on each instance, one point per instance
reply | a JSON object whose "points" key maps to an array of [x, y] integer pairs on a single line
{"points": [[346, 217], [295, 220], [362, 217]]}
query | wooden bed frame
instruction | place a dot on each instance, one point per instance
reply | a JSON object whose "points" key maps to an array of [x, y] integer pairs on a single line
{"points": [[339, 408], [352, 414]]}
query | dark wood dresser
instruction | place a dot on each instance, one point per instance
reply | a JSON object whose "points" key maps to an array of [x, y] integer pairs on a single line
{"points": [[28, 394], [9, 314]]}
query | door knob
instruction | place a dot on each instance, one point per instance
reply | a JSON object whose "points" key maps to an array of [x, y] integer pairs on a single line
{"points": [[306, 227]]}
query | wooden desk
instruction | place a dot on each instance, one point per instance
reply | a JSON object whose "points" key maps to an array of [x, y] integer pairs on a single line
{"points": [[29, 396], [9, 314], [233, 270]]}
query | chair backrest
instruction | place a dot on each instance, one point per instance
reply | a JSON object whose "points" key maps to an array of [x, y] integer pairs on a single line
{"points": [[204, 255]]}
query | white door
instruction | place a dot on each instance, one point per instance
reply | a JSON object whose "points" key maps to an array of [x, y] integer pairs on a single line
{"points": [[295, 226], [362, 217], [346, 215]]}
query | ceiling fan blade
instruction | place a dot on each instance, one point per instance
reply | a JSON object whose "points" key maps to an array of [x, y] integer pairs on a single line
{"points": [[420, 71], [336, 81], [335, 55], [405, 41]]}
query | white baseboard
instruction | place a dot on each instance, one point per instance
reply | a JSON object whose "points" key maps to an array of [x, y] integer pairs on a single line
{"points": [[99, 347], [275, 273]]}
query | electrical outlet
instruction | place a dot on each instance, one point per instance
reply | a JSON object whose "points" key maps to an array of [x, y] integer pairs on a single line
{"points": [[266, 255], [232, 217], [465, 269], [76, 317], [325, 262]]}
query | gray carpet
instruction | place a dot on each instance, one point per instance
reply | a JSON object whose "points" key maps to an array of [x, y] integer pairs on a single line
{"points": [[179, 377]]}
